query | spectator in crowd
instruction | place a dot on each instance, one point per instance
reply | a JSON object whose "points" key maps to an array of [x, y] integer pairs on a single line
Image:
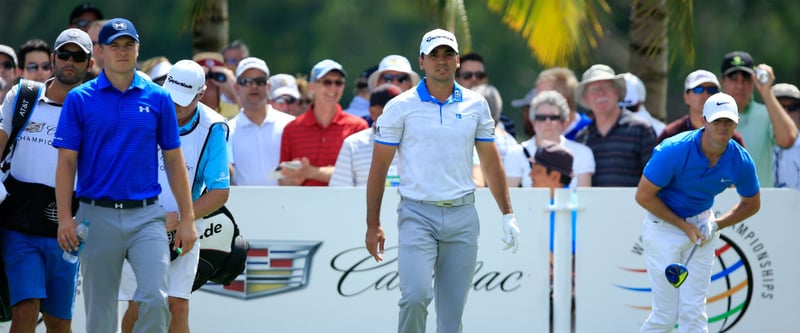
{"points": [[315, 137], [359, 105], [762, 125], [34, 60], [563, 80], [233, 53], [203, 139], [635, 95], [787, 160], [283, 94], [220, 92], [549, 117], [502, 139], [157, 69], [551, 167], [83, 15], [355, 157], [698, 87], [394, 69], [40, 280], [255, 139], [94, 30], [115, 157], [437, 223], [524, 104], [621, 143], [8, 68], [305, 94], [471, 73]]}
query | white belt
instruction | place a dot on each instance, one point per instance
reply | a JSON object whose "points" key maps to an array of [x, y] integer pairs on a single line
{"points": [[696, 219]]}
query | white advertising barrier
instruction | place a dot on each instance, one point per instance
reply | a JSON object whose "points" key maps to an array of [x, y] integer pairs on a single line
{"points": [[753, 281]]}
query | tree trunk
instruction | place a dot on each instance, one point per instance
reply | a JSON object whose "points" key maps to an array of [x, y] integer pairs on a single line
{"points": [[210, 25], [648, 51]]}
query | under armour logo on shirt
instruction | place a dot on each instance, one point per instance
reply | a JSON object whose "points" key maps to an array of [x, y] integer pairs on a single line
{"points": [[144, 108]]}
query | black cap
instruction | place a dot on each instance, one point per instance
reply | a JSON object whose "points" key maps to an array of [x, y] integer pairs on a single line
{"points": [[554, 157], [361, 81], [82, 8], [738, 61], [383, 93]]}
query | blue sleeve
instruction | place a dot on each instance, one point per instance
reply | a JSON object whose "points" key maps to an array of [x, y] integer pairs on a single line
{"points": [[659, 168], [747, 185], [214, 167], [168, 136], [68, 132]]}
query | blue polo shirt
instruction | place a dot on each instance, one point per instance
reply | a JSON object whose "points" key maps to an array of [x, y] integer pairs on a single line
{"points": [[116, 134], [688, 185]]}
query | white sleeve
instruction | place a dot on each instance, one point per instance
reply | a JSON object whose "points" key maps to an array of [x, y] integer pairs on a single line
{"points": [[343, 169]]}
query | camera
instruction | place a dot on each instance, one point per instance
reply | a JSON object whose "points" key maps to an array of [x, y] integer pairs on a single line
{"points": [[219, 77]]}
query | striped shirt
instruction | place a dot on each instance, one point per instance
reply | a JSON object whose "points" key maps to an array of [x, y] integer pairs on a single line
{"points": [[304, 137], [620, 155], [355, 159]]}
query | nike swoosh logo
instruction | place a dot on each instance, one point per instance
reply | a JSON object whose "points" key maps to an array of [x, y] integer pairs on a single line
{"points": [[722, 103], [723, 180]]}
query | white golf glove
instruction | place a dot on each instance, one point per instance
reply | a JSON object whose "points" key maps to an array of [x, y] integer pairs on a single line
{"points": [[710, 231], [3, 192], [510, 232]]}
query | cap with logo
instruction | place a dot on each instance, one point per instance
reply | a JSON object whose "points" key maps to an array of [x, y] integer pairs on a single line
{"points": [[184, 81], [251, 63], [324, 67], [738, 61], [721, 105], [396, 63], [554, 156], [699, 77], [435, 38], [283, 85], [786, 90], [116, 28], [635, 91], [599, 73], [9, 51], [74, 36]]}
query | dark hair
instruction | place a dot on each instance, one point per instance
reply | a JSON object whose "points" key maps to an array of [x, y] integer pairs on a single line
{"points": [[564, 180], [29, 46], [472, 57]]}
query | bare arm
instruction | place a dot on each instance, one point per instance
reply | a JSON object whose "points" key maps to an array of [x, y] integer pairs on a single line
{"points": [[306, 171], [382, 156], [495, 175], [745, 208], [785, 130], [179, 183], [646, 196], [65, 187]]}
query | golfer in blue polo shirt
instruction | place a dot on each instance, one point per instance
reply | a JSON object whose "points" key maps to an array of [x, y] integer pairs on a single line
{"points": [[109, 131], [677, 189]]}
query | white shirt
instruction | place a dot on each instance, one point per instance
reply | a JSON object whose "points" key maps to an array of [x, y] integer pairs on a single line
{"points": [[518, 166], [658, 125], [787, 166], [354, 160], [256, 148]]}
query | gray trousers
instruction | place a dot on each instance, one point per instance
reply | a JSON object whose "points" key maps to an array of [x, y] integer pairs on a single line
{"points": [[115, 234], [439, 245]]}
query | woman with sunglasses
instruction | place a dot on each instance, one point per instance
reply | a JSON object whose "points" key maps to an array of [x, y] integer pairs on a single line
{"points": [[699, 86]]}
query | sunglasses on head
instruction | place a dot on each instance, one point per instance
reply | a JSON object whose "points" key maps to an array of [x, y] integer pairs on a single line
{"points": [[469, 75], [77, 56], [328, 83], [700, 89], [8, 64], [401, 78], [543, 117], [46, 66], [247, 81]]}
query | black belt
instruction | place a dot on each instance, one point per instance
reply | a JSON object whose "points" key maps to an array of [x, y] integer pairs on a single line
{"points": [[120, 204]]}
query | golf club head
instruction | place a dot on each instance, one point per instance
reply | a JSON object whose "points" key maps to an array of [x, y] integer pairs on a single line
{"points": [[676, 274]]}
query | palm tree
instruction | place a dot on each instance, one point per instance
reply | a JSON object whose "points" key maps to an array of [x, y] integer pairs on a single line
{"points": [[209, 24]]}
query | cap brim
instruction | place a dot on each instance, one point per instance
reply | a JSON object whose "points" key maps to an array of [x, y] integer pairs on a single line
{"points": [[59, 46], [739, 68], [723, 114], [284, 91], [372, 81], [118, 35], [179, 97], [618, 80], [518, 103], [323, 73], [696, 83]]}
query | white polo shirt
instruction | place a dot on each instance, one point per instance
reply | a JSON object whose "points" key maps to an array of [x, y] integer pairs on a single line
{"points": [[518, 165], [435, 140], [255, 149]]}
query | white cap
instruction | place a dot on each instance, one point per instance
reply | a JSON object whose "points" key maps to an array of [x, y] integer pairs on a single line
{"points": [[184, 81], [283, 84], [251, 62], [785, 90], [721, 105], [160, 69], [324, 67], [435, 38], [635, 91], [699, 77], [392, 63]]}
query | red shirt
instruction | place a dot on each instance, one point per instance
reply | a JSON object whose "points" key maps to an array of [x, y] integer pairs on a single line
{"points": [[304, 137]]}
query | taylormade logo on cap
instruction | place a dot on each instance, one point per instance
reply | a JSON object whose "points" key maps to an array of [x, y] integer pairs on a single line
{"points": [[435, 38]]}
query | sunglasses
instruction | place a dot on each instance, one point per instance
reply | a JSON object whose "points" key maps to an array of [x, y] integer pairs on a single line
{"points": [[469, 75], [46, 66], [544, 117], [401, 78], [248, 81], [328, 83], [81, 24], [286, 100], [8, 64], [77, 56], [700, 89], [219, 77], [792, 107], [232, 61]]}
